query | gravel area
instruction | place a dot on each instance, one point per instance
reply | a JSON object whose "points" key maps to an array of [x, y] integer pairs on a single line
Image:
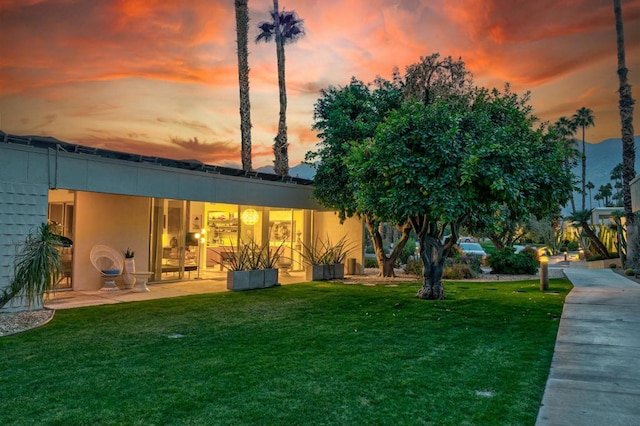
{"points": [[17, 322]]}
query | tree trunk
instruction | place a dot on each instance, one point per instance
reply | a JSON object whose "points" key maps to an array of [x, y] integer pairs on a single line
{"points": [[584, 169], [242, 30], [432, 256], [595, 241], [497, 242], [386, 263], [628, 146], [281, 146]]}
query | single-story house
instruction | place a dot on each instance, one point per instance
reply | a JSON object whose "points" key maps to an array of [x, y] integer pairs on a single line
{"points": [[178, 217]]}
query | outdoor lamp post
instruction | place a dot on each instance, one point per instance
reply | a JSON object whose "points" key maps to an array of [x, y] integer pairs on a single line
{"points": [[200, 236], [544, 273]]}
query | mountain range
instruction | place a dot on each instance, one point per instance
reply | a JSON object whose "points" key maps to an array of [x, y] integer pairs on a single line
{"points": [[601, 159]]}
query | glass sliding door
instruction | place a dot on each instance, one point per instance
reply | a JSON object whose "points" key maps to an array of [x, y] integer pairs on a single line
{"points": [[169, 240]]}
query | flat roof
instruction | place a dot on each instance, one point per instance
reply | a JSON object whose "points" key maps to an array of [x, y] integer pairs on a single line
{"points": [[49, 142]]}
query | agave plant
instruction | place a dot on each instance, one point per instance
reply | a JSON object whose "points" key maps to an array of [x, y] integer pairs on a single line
{"points": [[324, 252], [251, 255], [37, 266]]}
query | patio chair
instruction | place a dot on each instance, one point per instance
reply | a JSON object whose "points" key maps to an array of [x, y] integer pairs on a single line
{"points": [[109, 263]]}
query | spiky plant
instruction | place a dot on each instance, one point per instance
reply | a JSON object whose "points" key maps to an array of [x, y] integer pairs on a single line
{"points": [[37, 266]]}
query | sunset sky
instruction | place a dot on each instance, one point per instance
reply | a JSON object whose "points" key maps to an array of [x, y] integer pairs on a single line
{"points": [[159, 77]]}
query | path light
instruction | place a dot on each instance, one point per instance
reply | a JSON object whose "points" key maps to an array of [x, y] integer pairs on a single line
{"points": [[544, 273]]}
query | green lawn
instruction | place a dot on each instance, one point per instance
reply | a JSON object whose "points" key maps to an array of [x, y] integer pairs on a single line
{"points": [[308, 354]]}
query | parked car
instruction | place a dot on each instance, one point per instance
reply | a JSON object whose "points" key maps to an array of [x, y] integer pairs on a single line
{"points": [[472, 248], [467, 239]]}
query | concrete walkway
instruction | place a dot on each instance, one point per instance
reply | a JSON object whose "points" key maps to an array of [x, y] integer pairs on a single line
{"points": [[595, 372]]}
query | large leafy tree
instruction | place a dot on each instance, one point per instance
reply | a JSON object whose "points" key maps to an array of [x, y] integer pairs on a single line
{"points": [[347, 116], [628, 147], [242, 38], [284, 28], [441, 164], [584, 118]]}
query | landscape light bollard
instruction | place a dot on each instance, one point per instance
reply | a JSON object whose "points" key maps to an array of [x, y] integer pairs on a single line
{"points": [[544, 273], [565, 255]]}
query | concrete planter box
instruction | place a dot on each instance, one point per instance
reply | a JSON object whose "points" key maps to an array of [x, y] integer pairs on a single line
{"points": [[325, 272], [251, 280]]}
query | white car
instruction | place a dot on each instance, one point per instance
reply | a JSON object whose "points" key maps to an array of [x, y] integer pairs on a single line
{"points": [[472, 248]]}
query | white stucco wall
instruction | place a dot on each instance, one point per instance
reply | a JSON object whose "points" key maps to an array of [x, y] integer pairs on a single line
{"points": [[326, 224], [118, 221]]}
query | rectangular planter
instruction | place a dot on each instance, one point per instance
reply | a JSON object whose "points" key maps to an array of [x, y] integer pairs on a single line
{"points": [[251, 280], [324, 272]]}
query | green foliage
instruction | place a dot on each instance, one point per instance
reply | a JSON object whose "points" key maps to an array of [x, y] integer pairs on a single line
{"points": [[458, 272], [354, 355], [324, 252], [407, 251], [508, 262], [414, 267], [37, 266], [472, 261], [531, 252], [629, 272], [370, 263]]}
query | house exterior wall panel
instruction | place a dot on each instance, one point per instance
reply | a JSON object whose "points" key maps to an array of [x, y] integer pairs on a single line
{"points": [[23, 207]]}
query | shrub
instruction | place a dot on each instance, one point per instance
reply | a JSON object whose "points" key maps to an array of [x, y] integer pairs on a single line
{"points": [[370, 263], [629, 272], [458, 271], [613, 266], [508, 262], [473, 261], [573, 246], [531, 252], [414, 267]]}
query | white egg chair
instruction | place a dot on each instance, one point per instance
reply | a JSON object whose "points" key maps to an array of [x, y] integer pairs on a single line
{"points": [[109, 263]]}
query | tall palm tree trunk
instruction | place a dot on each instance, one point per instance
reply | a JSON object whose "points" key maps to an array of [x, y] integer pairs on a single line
{"points": [[628, 148], [584, 170], [281, 146], [242, 29]]}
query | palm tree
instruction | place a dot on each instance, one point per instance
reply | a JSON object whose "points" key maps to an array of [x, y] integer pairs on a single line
{"points": [[590, 186], [582, 218], [628, 147], [285, 28], [583, 118], [566, 128], [242, 30]]}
